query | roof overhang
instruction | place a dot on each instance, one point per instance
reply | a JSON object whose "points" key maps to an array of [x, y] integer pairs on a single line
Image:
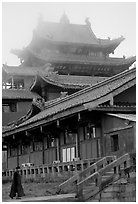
{"points": [[130, 117]]}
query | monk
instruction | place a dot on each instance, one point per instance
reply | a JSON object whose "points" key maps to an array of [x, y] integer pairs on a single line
{"points": [[16, 187]]}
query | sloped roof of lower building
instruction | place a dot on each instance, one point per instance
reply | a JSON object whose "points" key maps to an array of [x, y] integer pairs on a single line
{"points": [[24, 70], [18, 94], [68, 81], [91, 96]]}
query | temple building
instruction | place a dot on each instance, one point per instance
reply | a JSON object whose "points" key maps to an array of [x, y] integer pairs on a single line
{"points": [[75, 102]]}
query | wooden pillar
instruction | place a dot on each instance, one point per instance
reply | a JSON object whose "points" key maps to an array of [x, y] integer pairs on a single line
{"points": [[78, 143], [7, 156], [43, 146], [78, 136], [102, 139], [77, 153], [18, 154], [43, 149], [58, 149], [12, 82]]}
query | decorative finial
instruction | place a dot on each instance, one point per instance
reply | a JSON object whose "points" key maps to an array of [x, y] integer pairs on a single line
{"points": [[64, 19], [87, 21], [40, 18]]}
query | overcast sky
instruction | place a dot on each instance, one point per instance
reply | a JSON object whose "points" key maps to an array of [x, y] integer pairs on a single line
{"points": [[107, 20]]}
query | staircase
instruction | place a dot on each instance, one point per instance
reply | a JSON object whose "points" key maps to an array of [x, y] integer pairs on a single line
{"points": [[99, 175]]}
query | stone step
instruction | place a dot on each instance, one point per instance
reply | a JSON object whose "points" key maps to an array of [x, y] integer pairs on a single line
{"points": [[88, 188], [105, 177], [89, 194]]}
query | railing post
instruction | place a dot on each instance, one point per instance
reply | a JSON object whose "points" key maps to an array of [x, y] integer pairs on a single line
{"points": [[116, 170], [79, 188], [80, 193], [82, 168]]}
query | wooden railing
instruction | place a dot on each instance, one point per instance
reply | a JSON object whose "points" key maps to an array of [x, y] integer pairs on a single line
{"points": [[90, 170], [123, 162], [94, 173], [72, 167]]}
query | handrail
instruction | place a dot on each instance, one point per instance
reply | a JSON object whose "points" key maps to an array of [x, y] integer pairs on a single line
{"points": [[101, 172], [93, 167]]}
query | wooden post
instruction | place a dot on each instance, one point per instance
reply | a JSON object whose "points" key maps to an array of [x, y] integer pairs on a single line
{"points": [[43, 146], [58, 150], [78, 143], [7, 155], [77, 154], [43, 149], [17, 154], [12, 82], [102, 139]]}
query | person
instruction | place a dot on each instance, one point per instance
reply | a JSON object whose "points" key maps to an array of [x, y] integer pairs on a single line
{"points": [[16, 187]]}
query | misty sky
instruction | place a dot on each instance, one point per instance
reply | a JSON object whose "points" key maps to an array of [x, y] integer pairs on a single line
{"points": [[107, 20]]}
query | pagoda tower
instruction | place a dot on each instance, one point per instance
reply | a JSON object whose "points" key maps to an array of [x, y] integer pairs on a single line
{"points": [[72, 49]]}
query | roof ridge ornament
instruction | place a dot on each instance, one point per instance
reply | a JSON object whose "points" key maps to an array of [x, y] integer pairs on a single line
{"points": [[40, 18], [64, 19], [49, 69], [87, 21]]}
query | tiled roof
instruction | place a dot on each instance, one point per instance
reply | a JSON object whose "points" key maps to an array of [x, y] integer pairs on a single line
{"points": [[80, 59], [18, 94], [73, 33], [5, 128], [71, 81], [108, 42], [23, 70], [70, 33], [131, 117], [93, 96]]}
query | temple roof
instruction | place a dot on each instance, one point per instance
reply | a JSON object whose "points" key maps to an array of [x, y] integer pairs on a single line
{"points": [[82, 100], [68, 33], [65, 33], [68, 81], [18, 94]]}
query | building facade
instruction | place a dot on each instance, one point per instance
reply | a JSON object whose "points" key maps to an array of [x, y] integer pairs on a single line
{"points": [[81, 125]]}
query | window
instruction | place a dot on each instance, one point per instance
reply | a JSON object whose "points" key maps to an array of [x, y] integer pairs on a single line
{"points": [[38, 146], [14, 83], [12, 152], [114, 143], [69, 137], [24, 149], [89, 132], [68, 154], [51, 141], [18, 84], [9, 107]]}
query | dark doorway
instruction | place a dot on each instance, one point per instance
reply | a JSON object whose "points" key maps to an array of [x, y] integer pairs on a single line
{"points": [[114, 143]]}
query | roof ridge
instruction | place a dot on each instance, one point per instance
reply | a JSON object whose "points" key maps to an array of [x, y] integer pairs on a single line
{"points": [[58, 23], [92, 87]]}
